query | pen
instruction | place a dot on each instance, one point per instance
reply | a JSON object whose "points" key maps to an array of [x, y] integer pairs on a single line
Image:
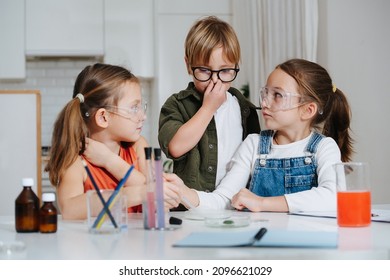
{"points": [[99, 193], [255, 238]]}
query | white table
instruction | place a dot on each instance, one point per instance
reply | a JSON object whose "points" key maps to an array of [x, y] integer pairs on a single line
{"points": [[73, 241]]}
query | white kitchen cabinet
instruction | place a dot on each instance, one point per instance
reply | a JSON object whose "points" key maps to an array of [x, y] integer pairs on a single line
{"points": [[64, 28], [13, 65], [129, 35]]}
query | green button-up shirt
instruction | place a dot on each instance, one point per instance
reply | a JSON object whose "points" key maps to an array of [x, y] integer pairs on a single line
{"points": [[198, 167]]}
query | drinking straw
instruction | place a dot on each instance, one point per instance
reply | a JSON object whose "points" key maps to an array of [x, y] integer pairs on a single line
{"points": [[111, 201], [106, 209]]}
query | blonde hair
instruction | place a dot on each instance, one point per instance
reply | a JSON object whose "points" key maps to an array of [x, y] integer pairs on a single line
{"points": [[207, 34], [99, 84]]}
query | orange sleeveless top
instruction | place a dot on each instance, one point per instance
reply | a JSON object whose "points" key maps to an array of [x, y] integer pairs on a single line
{"points": [[105, 180]]}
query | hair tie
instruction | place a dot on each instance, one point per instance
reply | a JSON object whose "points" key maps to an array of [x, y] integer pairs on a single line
{"points": [[334, 88], [80, 97]]}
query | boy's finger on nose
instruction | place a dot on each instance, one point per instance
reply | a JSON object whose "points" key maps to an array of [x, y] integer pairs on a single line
{"points": [[210, 86]]}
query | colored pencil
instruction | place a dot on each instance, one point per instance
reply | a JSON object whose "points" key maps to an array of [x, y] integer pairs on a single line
{"points": [[111, 201], [106, 209]]}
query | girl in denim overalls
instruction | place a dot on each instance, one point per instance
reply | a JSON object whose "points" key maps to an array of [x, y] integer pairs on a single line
{"points": [[298, 98], [290, 164]]}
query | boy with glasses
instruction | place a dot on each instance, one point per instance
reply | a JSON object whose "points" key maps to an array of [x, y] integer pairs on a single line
{"points": [[201, 127]]}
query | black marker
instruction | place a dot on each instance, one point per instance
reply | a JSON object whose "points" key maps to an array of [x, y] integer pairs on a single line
{"points": [[259, 235], [175, 221]]}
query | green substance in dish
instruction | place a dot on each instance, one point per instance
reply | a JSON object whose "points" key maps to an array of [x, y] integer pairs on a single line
{"points": [[228, 222]]}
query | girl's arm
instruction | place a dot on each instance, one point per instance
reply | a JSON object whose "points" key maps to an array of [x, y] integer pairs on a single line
{"points": [[177, 191], [99, 154], [71, 197], [139, 147], [247, 199]]}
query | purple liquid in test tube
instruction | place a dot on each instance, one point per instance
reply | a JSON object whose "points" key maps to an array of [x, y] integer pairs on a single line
{"points": [[159, 189]]}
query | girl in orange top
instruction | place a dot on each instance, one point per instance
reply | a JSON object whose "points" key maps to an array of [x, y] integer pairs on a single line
{"points": [[102, 125]]}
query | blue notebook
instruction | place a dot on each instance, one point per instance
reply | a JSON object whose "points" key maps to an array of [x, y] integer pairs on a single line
{"points": [[272, 238]]}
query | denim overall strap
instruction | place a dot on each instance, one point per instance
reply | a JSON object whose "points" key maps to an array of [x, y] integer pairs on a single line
{"points": [[264, 145], [311, 147], [313, 142], [274, 177]]}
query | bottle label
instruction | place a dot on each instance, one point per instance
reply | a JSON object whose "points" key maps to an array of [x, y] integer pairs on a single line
{"points": [[49, 219], [26, 218]]}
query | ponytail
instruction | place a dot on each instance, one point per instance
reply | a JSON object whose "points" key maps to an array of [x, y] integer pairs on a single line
{"points": [[337, 123], [68, 140]]}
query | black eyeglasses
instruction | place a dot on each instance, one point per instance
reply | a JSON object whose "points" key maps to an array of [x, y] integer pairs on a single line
{"points": [[203, 74]]}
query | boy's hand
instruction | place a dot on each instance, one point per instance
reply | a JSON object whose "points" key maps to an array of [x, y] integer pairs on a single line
{"points": [[214, 95]]}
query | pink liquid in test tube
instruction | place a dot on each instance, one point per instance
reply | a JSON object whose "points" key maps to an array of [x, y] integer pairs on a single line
{"points": [[151, 210]]}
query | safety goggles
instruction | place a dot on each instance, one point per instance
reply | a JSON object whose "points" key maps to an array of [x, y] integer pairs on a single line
{"points": [[276, 99], [132, 113]]}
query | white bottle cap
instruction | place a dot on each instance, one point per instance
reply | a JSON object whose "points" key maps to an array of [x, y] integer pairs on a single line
{"points": [[48, 197], [28, 182]]}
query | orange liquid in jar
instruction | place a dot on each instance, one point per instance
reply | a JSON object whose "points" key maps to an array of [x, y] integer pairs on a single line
{"points": [[354, 208]]}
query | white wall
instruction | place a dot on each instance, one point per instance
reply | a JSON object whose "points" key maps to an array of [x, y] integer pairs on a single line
{"points": [[354, 45]]}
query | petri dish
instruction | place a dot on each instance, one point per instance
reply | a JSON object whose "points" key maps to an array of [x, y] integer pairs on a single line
{"points": [[233, 221], [197, 214]]}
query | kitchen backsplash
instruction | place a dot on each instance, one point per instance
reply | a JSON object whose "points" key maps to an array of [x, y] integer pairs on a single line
{"points": [[55, 77]]}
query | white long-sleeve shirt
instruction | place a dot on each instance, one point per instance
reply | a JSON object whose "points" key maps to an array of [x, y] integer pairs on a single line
{"points": [[321, 198]]}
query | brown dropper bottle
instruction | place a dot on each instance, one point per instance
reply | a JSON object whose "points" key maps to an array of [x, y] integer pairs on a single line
{"points": [[27, 208]]}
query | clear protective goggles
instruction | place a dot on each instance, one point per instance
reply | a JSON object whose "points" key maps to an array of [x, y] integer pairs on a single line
{"points": [[132, 113], [276, 99]]}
